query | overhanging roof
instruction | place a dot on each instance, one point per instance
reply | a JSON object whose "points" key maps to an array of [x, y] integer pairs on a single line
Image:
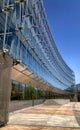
{"points": [[23, 75]]}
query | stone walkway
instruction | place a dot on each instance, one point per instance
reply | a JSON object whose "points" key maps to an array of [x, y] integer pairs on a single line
{"points": [[17, 127], [46, 117]]}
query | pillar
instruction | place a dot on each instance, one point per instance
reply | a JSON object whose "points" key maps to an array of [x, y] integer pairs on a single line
{"points": [[5, 86]]}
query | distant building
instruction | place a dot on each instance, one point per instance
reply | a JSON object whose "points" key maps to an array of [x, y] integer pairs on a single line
{"points": [[78, 91]]}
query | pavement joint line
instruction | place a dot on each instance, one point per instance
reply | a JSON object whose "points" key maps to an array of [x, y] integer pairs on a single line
{"points": [[17, 111]]}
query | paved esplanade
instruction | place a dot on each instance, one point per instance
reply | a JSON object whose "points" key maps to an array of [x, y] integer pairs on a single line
{"points": [[46, 117]]}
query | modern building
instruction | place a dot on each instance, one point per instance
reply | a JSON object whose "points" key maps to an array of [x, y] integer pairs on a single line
{"points": [[28, 53], [78, 91]]}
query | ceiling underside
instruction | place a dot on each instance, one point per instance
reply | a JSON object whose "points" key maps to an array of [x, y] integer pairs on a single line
{"points": [[23, 75]]}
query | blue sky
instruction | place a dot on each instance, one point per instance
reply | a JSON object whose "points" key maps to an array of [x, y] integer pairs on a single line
{"points": [[64, 20]]}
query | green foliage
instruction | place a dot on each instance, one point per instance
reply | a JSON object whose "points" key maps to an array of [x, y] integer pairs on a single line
{"points": [[20, 91], [32, 93]]}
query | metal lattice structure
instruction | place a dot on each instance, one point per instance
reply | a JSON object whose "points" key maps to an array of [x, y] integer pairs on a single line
{"points": [[25, 36]]}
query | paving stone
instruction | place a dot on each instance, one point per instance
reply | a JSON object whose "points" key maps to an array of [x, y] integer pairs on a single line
{"points": [[43, 120], [17, 127], [51, 110], [46, 117]]}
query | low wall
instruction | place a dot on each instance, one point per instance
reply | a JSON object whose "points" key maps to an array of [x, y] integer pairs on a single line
{"points": [[56, 101], [62, 101], [21, 104]]}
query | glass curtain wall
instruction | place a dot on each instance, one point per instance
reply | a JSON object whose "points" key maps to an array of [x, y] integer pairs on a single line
{"points": [[25, 33]]}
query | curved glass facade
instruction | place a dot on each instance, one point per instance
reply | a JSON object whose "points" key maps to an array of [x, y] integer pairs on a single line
{"points": [[24, 31]]}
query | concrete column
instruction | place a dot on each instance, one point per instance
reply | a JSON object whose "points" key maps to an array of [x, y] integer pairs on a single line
{"points": [[5, 86], [75, 99]]}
